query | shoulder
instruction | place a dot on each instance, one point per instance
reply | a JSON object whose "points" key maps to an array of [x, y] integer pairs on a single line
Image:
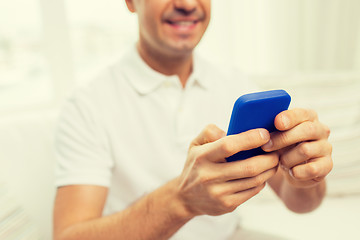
{"points": [[103, 87]]}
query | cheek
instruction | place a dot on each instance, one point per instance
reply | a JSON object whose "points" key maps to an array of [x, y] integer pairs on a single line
{"points": [[152, 17], [207, 8], [149, 24], [207, 11]]}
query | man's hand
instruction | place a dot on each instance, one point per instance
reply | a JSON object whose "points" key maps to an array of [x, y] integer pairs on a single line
{"points": [[210, 185], [305, 153]]}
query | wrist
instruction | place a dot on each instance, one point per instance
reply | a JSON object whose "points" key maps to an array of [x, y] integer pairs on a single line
{"points": [[174, 205], [299, 196], [183, 209]]}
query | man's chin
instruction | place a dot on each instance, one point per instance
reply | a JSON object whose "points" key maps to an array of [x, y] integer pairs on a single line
{"points": [[182, 48]]}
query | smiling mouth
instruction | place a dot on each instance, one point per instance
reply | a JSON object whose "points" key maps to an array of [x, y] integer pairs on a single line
{"points": [[184, 23]]}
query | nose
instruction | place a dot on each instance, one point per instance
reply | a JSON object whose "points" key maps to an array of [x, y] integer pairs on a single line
{"points": [[186, 6]]}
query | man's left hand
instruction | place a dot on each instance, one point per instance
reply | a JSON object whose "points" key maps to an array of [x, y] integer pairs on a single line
{"points": [[302, 143]]}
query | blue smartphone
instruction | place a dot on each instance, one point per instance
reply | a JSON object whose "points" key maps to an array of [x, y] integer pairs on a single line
{"points": [[256, 110]]}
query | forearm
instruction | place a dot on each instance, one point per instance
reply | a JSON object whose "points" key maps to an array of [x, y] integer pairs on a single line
{"points": [[300, 200], [156, 216]]}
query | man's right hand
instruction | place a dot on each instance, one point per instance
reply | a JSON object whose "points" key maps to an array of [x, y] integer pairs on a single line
{"points": [[210, 185]]}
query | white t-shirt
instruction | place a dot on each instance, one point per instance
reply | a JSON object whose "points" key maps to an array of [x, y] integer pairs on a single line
{"points": [[130, 128]]}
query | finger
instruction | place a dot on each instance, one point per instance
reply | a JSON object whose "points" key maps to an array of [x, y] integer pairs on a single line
{"points": [[306, 131], [239, 185], [227, 146], [234, 200], [210, 133], [291, 118], [304, 152], [247, 168], [315, 169]]}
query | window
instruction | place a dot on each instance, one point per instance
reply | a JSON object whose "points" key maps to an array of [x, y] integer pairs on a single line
{"points": [[100, 31], [24, 77]]}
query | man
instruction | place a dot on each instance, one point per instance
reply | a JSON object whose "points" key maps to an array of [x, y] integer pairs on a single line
{"points": [[122, 142]]}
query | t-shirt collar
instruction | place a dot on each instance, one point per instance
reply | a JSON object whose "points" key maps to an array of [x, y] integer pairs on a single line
{"points": [[145, 80]]}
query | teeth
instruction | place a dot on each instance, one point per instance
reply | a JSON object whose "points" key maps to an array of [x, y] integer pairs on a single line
{"points": [[184, 23]]}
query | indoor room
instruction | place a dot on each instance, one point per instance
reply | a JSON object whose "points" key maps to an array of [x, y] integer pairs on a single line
{"points": [[54, 55]]}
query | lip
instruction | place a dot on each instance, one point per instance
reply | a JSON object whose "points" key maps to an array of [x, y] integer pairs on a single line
{"points": [[182, 25]]}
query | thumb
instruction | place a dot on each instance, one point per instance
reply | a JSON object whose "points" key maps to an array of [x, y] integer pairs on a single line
{"points": [[209, 134]]}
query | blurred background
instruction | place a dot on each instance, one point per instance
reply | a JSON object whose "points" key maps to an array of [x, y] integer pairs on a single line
{"points": [[311, 48]]}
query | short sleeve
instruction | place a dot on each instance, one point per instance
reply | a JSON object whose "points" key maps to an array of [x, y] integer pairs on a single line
{"points": [[81, 150]]}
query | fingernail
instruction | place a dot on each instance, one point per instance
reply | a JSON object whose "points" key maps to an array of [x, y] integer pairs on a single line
{"points": [[285, 120], [264, 134], [268, 145]]}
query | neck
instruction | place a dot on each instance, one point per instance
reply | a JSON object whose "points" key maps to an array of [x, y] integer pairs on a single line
{"points": [[180, 65]]}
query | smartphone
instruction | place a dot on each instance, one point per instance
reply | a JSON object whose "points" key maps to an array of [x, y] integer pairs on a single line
{"points": [[256, 110]]}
